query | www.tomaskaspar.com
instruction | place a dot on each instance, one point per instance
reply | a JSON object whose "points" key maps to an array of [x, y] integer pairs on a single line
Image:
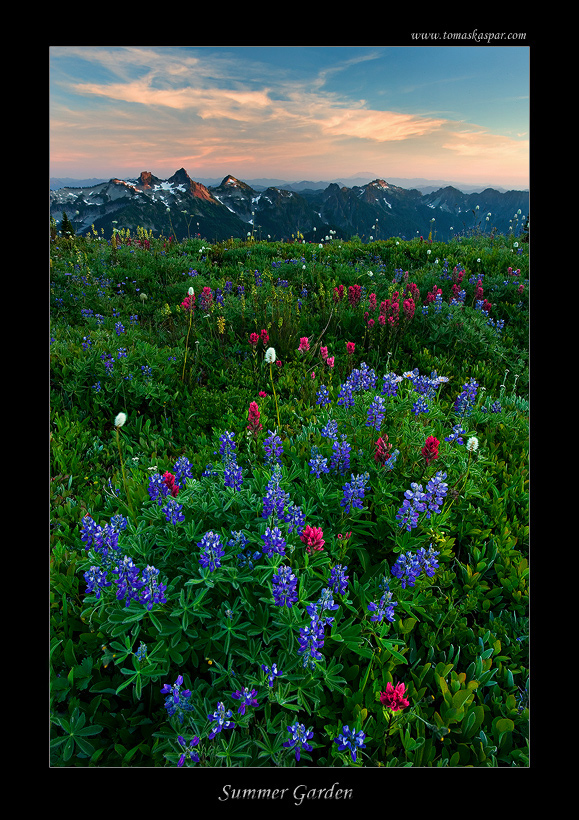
{"points": [[476, 35]]}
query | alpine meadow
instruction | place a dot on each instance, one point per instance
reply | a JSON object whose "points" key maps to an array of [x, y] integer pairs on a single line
{"points": [[289, 510]]}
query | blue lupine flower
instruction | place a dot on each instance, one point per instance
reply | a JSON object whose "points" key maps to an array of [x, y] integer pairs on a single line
{"points": [[330, 430], [408, 515], [151, 591], [340, 460], [86, 342], [141, 653], [128, 582], [284, 587], [158, 489], [119, 329], [177, 700], [119, 522], [188, 752], [390, 384], [222, 716], [465, 400], [238, 540], [96, 580], [325, 602], [416, 495], [424, 385], [376, 413], [436, 491], [407, 569], [273, 448], [247, 698], [227, 446], [212, 550], [182, 470], [345, 397], [384, 608], [311, 640], [90, 531], [338, 579], [299, 738], [295, 518], [362, 378], [391, 460], [275, 498], [350, 739], [272, 673], [354, 492], [274, 541], [233, 476], [427, 560], [420, 406], [322, 396], [318, 464], [173, 511], [456, 435]]}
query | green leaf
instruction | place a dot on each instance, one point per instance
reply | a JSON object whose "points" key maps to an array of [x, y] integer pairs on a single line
{"points": [[504, 725], [459, 698]]}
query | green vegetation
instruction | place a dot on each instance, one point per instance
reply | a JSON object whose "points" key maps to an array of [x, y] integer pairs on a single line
{"points": [[392, 426]]}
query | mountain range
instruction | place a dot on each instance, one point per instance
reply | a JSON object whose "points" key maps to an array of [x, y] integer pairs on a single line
{"points": [[233, 208]]}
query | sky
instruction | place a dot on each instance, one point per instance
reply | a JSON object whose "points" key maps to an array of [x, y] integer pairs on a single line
{"points": [[294, 113]]}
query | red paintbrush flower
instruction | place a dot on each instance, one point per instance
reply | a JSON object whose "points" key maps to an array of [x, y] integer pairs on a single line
{"points": [[430, 449], [393, 697], [313, 538]]}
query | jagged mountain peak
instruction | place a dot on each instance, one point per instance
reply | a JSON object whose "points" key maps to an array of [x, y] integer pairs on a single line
{"points": [[180, 177], [230, 182], [226, 210], [147, 180]]}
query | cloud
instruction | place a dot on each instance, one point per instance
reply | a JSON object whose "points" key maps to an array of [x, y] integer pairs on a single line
{"points": [[142, 108], [482, 144]]}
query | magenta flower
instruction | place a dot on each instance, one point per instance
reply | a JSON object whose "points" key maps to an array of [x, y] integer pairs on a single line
{"points": [[350, 347], [304, 343], [430, 449], [253, 417], [313, 538], [393, 697]]}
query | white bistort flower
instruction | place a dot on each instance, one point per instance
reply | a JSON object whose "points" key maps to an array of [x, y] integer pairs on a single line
{"points": [[270, 356], [472, 444], [120, 419]]}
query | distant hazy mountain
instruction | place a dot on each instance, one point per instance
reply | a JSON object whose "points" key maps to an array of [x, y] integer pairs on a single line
{"points": [[63, 182], [233, 208]]}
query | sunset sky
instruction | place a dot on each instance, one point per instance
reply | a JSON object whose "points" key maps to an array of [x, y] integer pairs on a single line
{"points": [[291, 112]]}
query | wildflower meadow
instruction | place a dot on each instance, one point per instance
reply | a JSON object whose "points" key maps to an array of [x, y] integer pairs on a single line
{"points": [[289, 518]]}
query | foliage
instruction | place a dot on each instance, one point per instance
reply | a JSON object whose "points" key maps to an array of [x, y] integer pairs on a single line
{"points": [[227, 590]]}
